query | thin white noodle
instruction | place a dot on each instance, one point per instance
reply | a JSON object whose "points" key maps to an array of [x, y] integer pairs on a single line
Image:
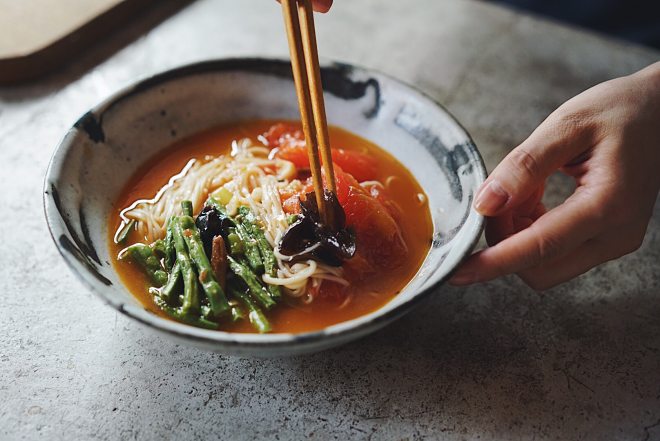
{"points": [[389, 180], [252, 179], [370, 183]]}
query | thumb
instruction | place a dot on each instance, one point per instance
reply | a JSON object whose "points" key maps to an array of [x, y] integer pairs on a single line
{"points": [[558, 140], [321, 5]]}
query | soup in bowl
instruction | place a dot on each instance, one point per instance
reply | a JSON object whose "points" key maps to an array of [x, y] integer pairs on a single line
{"points": [[185, 201]]}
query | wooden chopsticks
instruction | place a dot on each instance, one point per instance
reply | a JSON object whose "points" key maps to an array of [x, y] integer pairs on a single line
{"points": [[299, 21]]}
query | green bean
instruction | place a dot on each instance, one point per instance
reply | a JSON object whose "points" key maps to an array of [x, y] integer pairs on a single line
{"points": [[256, 316], [268, 256], [213, 202], [170, 252], [237, 313], [187, 208], [244, 272], [168, 292], [143, 255], [177, 314], [252, 254], [125, 231], [158, 247], [191, 302], [206, 312], [235, 244], [212, 288]]}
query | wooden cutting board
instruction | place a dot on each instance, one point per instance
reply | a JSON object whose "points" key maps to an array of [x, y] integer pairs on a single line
{"points": [[37, 36]]}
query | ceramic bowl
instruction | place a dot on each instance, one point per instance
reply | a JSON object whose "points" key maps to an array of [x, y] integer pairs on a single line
{"points": [[108, 144]]}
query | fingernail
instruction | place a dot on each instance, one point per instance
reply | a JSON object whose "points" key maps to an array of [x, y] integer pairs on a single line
{"points": [[491, 199], [463, 278]]}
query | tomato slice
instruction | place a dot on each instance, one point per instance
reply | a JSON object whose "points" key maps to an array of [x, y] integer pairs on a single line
{"points": [[378, 235], [333, 292], [288, 142], [291, 199], [344, 182], [358, 267], [282, 134], [361, 166], [290, 196], [296, 153], [369, 210], [380, 193], [291, 205]]}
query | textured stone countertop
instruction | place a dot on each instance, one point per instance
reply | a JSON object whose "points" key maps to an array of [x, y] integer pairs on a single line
{"points": [[490, 362]]}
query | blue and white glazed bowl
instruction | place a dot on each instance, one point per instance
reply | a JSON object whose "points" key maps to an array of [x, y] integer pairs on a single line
{"points": [[108, 144]]}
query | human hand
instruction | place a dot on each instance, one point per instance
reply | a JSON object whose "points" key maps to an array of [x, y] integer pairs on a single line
{"points": [[608, 139], [321, 5]]}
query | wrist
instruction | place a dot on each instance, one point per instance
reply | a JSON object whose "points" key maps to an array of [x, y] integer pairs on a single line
{"points": [[649, 80]]}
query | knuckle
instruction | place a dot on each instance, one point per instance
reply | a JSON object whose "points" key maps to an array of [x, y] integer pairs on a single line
{"points": [[574, 120], [525, 163], [547, 247]]}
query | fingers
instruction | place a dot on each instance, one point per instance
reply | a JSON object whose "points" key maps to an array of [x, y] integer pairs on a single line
{"points": [[553, 235], [588, 255], [613, 243], [321, 5], [594, 138], [506, 225], [559, 139]]}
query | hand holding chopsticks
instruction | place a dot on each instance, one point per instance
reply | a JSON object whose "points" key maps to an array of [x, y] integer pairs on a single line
{"points": [[299, 21]]}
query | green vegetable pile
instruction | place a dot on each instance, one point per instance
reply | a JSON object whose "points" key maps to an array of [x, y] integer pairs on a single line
{"points": [[208, 270]]}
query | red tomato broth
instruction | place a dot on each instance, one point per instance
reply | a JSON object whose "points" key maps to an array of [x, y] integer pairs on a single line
{"points": [[329, 307]]}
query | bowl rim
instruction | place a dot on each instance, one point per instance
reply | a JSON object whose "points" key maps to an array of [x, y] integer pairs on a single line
{"points": [[349, 329]]}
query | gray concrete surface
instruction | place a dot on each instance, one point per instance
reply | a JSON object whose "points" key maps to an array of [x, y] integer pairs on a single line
{"points": [[489, 362]]}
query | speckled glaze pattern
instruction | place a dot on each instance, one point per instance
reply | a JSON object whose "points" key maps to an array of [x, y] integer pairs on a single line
{"points": [[107, 144]]}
